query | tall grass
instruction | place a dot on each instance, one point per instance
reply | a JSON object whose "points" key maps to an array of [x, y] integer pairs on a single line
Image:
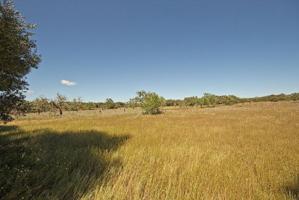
{"points": [[246, 151]]}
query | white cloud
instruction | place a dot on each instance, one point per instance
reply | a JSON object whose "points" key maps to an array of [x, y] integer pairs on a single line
{"points": [[67, 83]]}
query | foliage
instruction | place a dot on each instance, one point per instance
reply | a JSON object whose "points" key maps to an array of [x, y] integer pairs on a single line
{"points": [[173, 102], [75, 105], [150, 102], [40, 104], [60, 103], [109, 103], [43, 104], [211, 100], [17, 58], [191, 101]]}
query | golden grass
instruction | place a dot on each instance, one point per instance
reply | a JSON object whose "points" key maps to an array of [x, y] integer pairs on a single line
{"points": [[246, 151]]}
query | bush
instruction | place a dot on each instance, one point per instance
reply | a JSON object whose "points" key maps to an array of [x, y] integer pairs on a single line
{"points": [[150, 102], [191, 101], [109, 104]]}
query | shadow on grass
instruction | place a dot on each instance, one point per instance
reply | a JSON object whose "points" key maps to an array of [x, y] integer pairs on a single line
{"points": [[293, 189], [7, 128], [45, 164]]}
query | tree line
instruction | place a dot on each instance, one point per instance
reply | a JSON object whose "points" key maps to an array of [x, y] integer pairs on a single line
{"points": [[211, 100], [150, 102]]}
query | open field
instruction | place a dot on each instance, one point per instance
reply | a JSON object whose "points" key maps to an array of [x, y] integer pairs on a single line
{"points": [[245, 151]]}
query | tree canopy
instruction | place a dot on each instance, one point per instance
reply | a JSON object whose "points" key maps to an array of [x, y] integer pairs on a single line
{"points": [[149, 101], [18, 55]]}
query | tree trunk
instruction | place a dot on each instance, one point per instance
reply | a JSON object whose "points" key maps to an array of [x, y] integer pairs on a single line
{"points": [[58, 107]]}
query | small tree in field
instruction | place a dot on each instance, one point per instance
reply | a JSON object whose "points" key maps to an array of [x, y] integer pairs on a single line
{"points": [[150, 102], [59, 102], [109, 103], [17, 58]]}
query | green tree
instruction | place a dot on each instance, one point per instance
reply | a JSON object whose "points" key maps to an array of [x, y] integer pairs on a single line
{"points": [[76, 104], [209, 99], [41, 104], [17, 57], [109, 103], [172, 102], [150, 102], [294, 96], [191, 101]]}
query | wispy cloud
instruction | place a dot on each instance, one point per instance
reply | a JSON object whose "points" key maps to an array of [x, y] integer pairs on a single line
{"points": [[68, 83]]}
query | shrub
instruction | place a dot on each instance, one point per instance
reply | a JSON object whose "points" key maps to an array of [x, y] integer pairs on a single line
{"points": [[150, 102], [109, 104]]}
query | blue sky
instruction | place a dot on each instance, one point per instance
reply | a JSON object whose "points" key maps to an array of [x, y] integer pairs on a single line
{"points": [[112, 48]]}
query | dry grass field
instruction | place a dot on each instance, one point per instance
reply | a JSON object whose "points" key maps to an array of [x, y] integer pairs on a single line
{"points": [[245, 151]]}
